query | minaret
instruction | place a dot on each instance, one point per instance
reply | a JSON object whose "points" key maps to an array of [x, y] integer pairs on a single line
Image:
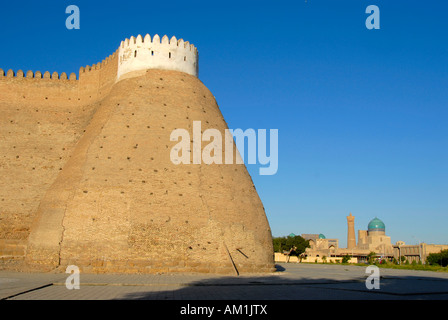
{"points": [[351, 238]]}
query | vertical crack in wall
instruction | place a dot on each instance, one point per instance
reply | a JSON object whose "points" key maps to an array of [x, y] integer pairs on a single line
{"points": [[81, 169], [95, 131], [71, 175]]}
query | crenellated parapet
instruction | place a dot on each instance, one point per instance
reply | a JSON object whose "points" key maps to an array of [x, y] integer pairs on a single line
{"points": [[99, 65], [36, 75], [134, 54], [138, 53]]}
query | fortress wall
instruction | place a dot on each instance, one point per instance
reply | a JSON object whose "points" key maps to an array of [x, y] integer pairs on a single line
{"points": [[96, 81], [87, 177], [108, 74], [51, 89], [38, 89], [43, 117], [131, 209]]}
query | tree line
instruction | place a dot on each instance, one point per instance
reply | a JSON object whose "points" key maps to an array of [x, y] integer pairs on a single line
{"points": [[438, 259], [294, 245]]}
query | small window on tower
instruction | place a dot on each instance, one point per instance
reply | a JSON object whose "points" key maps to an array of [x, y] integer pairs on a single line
{"points": [[169, 55], [185, 58], [152, 53], [135, 53]]}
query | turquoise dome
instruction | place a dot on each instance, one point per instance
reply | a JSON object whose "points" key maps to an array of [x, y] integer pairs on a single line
{"points": [[376, 225], [321, 236]]}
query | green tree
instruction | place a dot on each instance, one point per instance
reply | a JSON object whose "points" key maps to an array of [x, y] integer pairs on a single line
{"points": [[279, 244], [440, 259], [371, 257], [346, 258], [299, 244], [403, 259], [296, 245]]}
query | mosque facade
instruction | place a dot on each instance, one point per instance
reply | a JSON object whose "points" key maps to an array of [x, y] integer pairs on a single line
{"points": [[374, 239]]}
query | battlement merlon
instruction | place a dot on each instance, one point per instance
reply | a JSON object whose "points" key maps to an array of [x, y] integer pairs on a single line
{"points": [[36, 75], [134, 54], [138, 54]]}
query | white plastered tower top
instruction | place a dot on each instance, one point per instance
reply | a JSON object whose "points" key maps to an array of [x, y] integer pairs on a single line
{"points": [[139, 54]]}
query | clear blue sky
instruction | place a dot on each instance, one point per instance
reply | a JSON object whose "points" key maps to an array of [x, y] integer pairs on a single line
{"points": [[362, 114]]}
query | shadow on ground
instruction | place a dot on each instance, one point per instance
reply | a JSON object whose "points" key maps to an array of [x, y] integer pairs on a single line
{"points": [[273, 287], [279, 268]]}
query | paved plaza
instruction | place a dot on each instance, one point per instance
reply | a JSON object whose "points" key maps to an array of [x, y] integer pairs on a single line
{"points": [[291, 282]]}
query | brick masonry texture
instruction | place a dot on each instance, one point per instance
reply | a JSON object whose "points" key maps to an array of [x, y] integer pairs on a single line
{"points": [[86, 178]]}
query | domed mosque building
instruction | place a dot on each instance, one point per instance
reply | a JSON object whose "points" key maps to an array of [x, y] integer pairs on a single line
{"points": [[374, 239]]}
